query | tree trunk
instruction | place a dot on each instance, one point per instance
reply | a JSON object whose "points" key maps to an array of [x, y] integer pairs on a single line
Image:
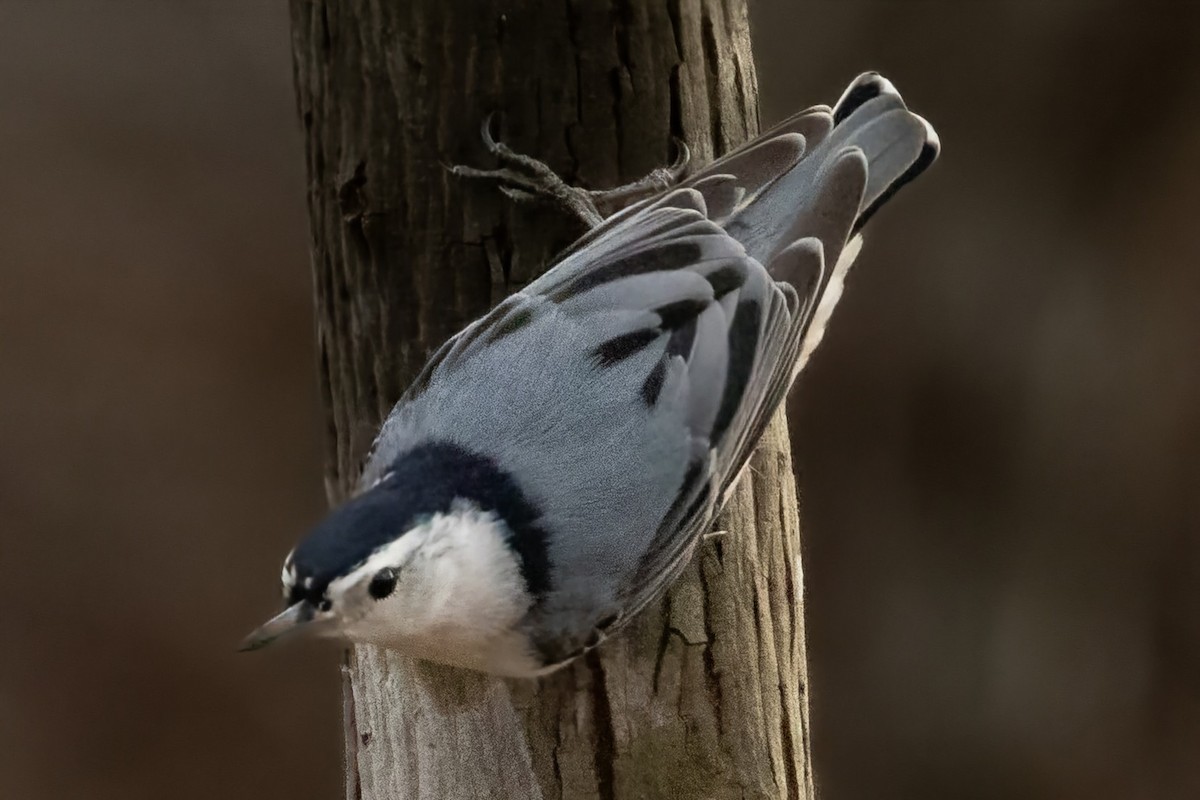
{"points": [[705, 694]]}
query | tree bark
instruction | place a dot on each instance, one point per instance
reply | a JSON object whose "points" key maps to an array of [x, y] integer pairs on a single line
{"points": [[705, 694]]}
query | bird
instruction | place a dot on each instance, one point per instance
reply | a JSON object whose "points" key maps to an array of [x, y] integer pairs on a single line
{"points": [[553, 467]]}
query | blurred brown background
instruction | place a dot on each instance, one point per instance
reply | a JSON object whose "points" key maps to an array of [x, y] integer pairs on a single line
{"points": [[999, 442]]}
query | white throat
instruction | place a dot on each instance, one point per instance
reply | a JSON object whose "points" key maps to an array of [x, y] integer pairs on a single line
{"points": [[459, 596]]}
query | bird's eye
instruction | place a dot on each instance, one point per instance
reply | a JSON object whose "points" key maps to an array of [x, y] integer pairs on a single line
{"points": [[383, 584]]}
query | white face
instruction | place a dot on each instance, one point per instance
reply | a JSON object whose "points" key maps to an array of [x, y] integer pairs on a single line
{"points": [[370, 603], [448, 590]]}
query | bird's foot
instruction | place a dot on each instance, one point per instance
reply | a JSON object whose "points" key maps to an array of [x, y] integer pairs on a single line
{"points": [[523, 178]]}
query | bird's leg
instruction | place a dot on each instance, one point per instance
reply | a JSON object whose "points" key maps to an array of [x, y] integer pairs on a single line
{"points": [[656, 182], [521, 178]]}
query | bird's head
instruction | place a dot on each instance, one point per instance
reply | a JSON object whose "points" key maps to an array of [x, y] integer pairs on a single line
{"points": [[441, 558], [348, 568]]}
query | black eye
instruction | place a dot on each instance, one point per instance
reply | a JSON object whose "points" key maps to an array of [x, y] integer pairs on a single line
{"points": [[383, 584]]}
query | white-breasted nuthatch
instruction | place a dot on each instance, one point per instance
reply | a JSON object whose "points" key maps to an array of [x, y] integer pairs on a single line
{"points": [[552, 468]]}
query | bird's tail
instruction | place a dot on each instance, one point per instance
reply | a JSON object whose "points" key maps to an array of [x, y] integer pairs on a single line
{"points": [[823, 172], [813, 181]]}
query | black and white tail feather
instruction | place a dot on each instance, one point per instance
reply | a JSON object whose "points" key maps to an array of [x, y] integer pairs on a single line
{"points": [[627, 387]]}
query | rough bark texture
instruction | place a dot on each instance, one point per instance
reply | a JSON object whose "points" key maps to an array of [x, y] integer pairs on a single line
{"points": [[705, 696]]}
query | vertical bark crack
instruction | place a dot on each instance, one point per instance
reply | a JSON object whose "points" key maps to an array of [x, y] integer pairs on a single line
{"points": [[605, 755], [712, 58]]}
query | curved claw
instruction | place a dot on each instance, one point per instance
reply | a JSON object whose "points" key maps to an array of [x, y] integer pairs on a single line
{"points": [[683, 157], [485, 133]]}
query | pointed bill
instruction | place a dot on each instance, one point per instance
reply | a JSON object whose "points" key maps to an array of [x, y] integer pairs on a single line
{"points": [[292, 618]]}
